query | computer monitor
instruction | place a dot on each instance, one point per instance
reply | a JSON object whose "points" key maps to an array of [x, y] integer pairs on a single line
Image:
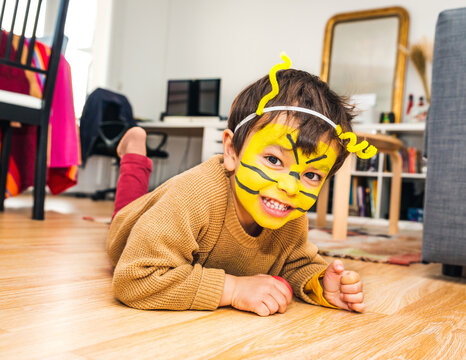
{"points": [[198, 97]]}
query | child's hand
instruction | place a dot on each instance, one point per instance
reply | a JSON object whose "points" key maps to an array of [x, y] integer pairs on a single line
{"points": [[343, 288], [261, 294]]}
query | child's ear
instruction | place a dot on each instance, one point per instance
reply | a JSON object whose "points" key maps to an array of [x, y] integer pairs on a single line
{"points": [[229, 154]]}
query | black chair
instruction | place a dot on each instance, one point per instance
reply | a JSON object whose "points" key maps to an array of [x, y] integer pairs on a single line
{"points": [[21, 109], [116, 118]]}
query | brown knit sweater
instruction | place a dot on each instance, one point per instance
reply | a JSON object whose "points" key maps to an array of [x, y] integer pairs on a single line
{"points": [[172, 247]]}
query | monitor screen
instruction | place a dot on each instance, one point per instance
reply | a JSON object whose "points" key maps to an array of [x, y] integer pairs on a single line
{"points": [[178, 97], [193, 97]]}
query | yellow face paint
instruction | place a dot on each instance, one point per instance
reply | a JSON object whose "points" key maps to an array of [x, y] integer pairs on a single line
{"points": [[275, 181]]}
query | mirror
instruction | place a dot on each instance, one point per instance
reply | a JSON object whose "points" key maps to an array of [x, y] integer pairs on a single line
{"points": [[362, 58]]}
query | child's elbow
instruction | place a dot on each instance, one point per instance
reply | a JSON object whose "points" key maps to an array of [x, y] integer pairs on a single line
{"points": [[132, 292], [126, 293]]}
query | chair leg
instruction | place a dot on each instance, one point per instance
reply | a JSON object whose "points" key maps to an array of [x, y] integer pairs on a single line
{"points": [[4, 161], [341, 200], [452, 270], [40, 171], [395, 193], [322, 204]]}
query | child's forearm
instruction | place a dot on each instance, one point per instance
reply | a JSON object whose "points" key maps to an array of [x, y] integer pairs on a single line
{"points": [[228, 287]]}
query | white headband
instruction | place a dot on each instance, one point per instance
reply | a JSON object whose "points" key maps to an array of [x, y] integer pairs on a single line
{"points": [[287, 108]]}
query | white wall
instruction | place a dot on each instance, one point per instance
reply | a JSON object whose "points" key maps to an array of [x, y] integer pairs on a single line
{"points": [[102, 41], [236, 40], [138, 53]]}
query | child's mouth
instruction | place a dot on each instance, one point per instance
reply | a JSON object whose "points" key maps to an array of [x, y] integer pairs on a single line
{"points": [[274, 207]]}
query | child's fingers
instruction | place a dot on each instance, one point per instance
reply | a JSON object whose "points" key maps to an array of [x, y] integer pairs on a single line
{"points": [[284, 287], [271, 304], [349, 277], [352, 298], [281, 300], [351, 289], [287, 294], [358, 307], [261, 309]]}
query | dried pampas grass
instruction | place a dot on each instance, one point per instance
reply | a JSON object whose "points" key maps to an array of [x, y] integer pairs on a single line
{"points": [[420, 54]]}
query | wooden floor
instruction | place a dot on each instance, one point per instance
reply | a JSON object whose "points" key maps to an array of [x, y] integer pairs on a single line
{"points": [[56, 302]]}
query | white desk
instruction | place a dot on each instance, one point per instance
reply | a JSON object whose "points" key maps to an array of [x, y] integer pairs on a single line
{"points": [[210, 131]]}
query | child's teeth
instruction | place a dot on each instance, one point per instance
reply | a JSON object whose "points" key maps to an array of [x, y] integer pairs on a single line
{"points": [[275, 205]]}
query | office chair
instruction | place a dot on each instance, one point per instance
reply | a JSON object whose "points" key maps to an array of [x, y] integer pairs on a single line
{"points": [[25, 109], [116, 119]]}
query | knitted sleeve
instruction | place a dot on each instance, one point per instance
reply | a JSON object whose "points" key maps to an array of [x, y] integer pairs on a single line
{"points": [[156, 269], [302, 264]]}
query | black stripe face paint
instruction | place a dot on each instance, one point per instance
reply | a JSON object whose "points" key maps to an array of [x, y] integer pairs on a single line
{"points": [[293, 146], [259, 171], [245, 188], [316, 159], [294, 174], [308, 194]]}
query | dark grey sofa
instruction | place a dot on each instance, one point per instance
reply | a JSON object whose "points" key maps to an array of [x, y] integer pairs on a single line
{"points": [[444, 238]]}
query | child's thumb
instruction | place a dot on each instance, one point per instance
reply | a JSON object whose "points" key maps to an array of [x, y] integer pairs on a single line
{"points": [[336, 267], [332, 276]]}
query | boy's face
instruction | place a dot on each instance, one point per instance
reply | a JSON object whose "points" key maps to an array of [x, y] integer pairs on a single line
{"points": [[274, 181]]}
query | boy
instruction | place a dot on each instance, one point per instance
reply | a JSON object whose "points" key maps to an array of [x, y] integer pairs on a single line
{"points": [[216, 234]]}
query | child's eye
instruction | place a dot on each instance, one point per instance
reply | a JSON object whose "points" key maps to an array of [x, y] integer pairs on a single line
{"points": [[273, 160], [313, 176]]}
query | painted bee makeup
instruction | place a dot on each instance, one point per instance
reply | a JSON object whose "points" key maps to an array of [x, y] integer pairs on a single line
{"points": [[275, 181]]}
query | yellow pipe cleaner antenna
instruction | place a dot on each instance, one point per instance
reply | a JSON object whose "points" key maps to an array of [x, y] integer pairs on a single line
{"points": [[273, 82], [363, 150], [354, 147]]}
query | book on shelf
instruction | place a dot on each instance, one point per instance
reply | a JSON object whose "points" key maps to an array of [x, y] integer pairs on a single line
{"points": [[367, 202], [373, 196], [363, 198], [411, 161], [353, 200], [361, 202]]}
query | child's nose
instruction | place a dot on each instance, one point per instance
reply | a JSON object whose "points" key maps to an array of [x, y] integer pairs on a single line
{"points": [[289, 184]]}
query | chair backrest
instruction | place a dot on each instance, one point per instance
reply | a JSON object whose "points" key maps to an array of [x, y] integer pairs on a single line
{"points": [[18, 60], [111, 129], [98, 110]]}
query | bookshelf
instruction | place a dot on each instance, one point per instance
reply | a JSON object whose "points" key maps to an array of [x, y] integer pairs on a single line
{"points": [[374, 176]]}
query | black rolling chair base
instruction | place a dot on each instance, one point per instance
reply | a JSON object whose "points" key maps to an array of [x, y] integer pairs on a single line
{"points": [[102, 194]]}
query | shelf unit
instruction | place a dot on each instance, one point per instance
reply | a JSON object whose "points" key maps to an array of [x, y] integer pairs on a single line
{"points": [[412, 134]]}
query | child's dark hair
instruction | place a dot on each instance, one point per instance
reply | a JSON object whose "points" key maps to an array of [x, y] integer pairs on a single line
{"points": [[296, 88]]}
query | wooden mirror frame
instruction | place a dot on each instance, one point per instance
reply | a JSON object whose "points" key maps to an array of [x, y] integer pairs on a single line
{"points": [[400, 67]]}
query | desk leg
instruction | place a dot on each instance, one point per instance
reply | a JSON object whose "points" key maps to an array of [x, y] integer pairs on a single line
{"points": [[322, 204], [395, 193], [341, 192]]}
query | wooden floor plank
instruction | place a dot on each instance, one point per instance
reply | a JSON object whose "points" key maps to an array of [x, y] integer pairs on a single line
{"points": [[58, 335], [213, 336], [430, 328], [56, 302]]}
